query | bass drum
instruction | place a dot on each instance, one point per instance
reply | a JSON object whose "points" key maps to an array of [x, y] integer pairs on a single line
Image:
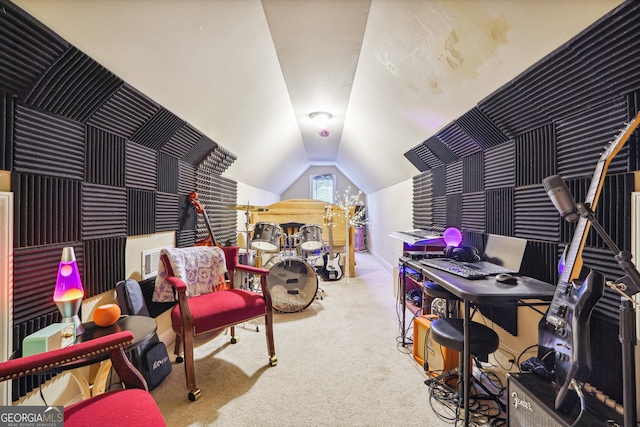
{"points": [[293, 283]]}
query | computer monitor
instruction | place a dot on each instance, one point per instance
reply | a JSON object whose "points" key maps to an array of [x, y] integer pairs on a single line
{"points": [[505, 251]]}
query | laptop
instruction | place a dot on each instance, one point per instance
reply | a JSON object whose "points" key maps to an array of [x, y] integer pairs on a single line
{"points": [[502, 254]]}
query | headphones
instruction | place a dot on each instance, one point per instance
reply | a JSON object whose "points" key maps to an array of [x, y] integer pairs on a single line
{"points": [[414, 297], [462, 253]]}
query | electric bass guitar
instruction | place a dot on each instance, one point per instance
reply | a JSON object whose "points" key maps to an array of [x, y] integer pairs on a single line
{"points": [[563, 332], [331, 270]]}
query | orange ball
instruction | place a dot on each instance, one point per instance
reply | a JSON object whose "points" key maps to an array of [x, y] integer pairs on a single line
{"points": [[106, 315]]}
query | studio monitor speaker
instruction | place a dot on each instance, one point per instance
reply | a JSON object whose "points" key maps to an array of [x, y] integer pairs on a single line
{"points": [[439, 359]]}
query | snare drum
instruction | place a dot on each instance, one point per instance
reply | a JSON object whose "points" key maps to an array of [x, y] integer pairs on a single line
{"points": [[310, 237], [293, 283], [266, 236]]}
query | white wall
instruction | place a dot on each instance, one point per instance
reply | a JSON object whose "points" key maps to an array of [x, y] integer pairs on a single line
{"points": [[301, 189], [255, 197], [388, 210]]}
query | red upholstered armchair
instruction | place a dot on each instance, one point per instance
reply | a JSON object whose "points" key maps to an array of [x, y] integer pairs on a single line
{"points": [[199, 313], [132, 406]]}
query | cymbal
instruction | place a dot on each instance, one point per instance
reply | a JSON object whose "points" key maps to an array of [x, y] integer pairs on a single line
{"points": [[248, 208]]}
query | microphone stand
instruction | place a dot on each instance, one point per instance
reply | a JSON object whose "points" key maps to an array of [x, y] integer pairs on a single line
{"points": [[627, 286]]}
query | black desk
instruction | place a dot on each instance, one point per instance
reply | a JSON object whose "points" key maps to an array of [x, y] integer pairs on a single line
{"points": [[485, 291], [143, 329]]}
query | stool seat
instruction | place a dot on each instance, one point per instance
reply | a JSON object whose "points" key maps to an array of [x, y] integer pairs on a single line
{"points": [[435, 290], [450, 333]]}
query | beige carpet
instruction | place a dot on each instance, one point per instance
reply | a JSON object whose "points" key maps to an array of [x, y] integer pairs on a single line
{"points": [[338, 365]]}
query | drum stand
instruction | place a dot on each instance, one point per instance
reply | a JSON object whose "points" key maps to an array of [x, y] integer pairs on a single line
{"points": [[250, 278]]}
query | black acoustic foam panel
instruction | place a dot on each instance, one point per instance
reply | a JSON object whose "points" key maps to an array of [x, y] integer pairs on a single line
{"points": [[499, 167], [168, 173], [157, 130], [186, 178], [454, 210], [439, 205], [141, 212], [104, 158], [104, 264], [473, 173], [473, 212], [124, 113], [27, 51], [167, 208], [47, 144], [439, 181], [500, 212], [453, 177], [481, 129], [423, 193], [46, 210], [141, 167], [199, 151], [185, 238], [6, 131], [104, 211], [74, 87], [440, 150], [535, 156], [458, 140], [182, 141], [535, 217], [582, 138]]}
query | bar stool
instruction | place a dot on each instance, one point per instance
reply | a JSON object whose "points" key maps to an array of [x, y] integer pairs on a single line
{"points": [[483, 340]]}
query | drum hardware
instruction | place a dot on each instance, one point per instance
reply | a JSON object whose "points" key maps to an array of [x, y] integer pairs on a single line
{"points": [[248, 208]]}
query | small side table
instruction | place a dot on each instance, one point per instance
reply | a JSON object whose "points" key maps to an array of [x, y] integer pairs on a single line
{"points": [[143, 329]]}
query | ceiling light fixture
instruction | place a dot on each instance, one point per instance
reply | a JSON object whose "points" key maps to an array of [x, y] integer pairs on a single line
{"points": [[321, 119]]}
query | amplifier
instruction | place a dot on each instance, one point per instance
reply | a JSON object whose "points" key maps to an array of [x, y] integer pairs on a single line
{"points": [[530, 403], [439, 359]]}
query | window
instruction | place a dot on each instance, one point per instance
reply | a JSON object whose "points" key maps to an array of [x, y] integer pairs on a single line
{"points": [[322, 187]]}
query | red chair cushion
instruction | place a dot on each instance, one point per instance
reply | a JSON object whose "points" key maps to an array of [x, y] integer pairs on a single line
{"points": [[220, 309], [131, 408]]}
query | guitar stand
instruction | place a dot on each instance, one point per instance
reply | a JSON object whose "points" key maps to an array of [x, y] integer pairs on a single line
{"points": [[627, 286]]}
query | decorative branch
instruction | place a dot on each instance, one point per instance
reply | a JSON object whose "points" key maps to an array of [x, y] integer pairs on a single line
{"points": [[346, 202]]}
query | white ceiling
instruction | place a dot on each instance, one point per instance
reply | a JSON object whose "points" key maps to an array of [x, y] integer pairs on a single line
{"points": [[248, 73]]}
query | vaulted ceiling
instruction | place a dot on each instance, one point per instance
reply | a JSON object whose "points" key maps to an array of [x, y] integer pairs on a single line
{"points": [[248, 73]]}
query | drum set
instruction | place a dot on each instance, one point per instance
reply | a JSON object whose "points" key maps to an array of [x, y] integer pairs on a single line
{"points": [[290, 259]]}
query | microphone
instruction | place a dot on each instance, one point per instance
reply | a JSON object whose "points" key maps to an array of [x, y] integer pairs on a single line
{"points": [[561, 197]]}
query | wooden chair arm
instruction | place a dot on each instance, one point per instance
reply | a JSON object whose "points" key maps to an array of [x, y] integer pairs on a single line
{"points": [[177, 284], [252, 270], [113, 344]]}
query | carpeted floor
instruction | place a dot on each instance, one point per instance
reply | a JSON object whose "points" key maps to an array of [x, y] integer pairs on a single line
{"points": [[339, 364]]}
